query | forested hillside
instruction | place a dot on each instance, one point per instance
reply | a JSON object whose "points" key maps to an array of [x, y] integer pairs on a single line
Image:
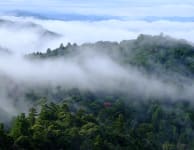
{"points": [[150, 52], [133, 95]]}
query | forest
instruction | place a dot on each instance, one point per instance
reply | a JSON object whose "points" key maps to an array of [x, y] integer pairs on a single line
{"points": [[150, 107]]}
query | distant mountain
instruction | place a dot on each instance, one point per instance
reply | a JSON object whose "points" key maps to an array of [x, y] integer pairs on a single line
{"points": [[22, 13], [62, 16], [176, 19], [29, 26], [82, 17]]}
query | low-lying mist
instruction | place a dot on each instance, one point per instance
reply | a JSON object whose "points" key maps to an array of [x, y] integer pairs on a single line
{"points": [[88, 70]]}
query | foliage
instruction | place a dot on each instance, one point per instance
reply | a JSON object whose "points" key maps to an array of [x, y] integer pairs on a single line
{"points": [[146, 125]]}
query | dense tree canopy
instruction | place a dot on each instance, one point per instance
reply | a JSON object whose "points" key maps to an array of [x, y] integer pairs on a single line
{"points": [[92, 125]]}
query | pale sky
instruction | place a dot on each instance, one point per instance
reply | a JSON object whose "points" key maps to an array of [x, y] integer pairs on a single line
{"points": [[126, 8]]}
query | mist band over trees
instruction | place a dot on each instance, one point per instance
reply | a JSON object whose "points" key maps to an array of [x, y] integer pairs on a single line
{"points": [[104, 72]]}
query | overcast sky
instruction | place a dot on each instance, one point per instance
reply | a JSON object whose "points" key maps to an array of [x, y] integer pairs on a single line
{"points": [[129, 8]]}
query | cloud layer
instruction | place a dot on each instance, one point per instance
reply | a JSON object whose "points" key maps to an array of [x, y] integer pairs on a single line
{"points": [[21, 39], [90, 21]]}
